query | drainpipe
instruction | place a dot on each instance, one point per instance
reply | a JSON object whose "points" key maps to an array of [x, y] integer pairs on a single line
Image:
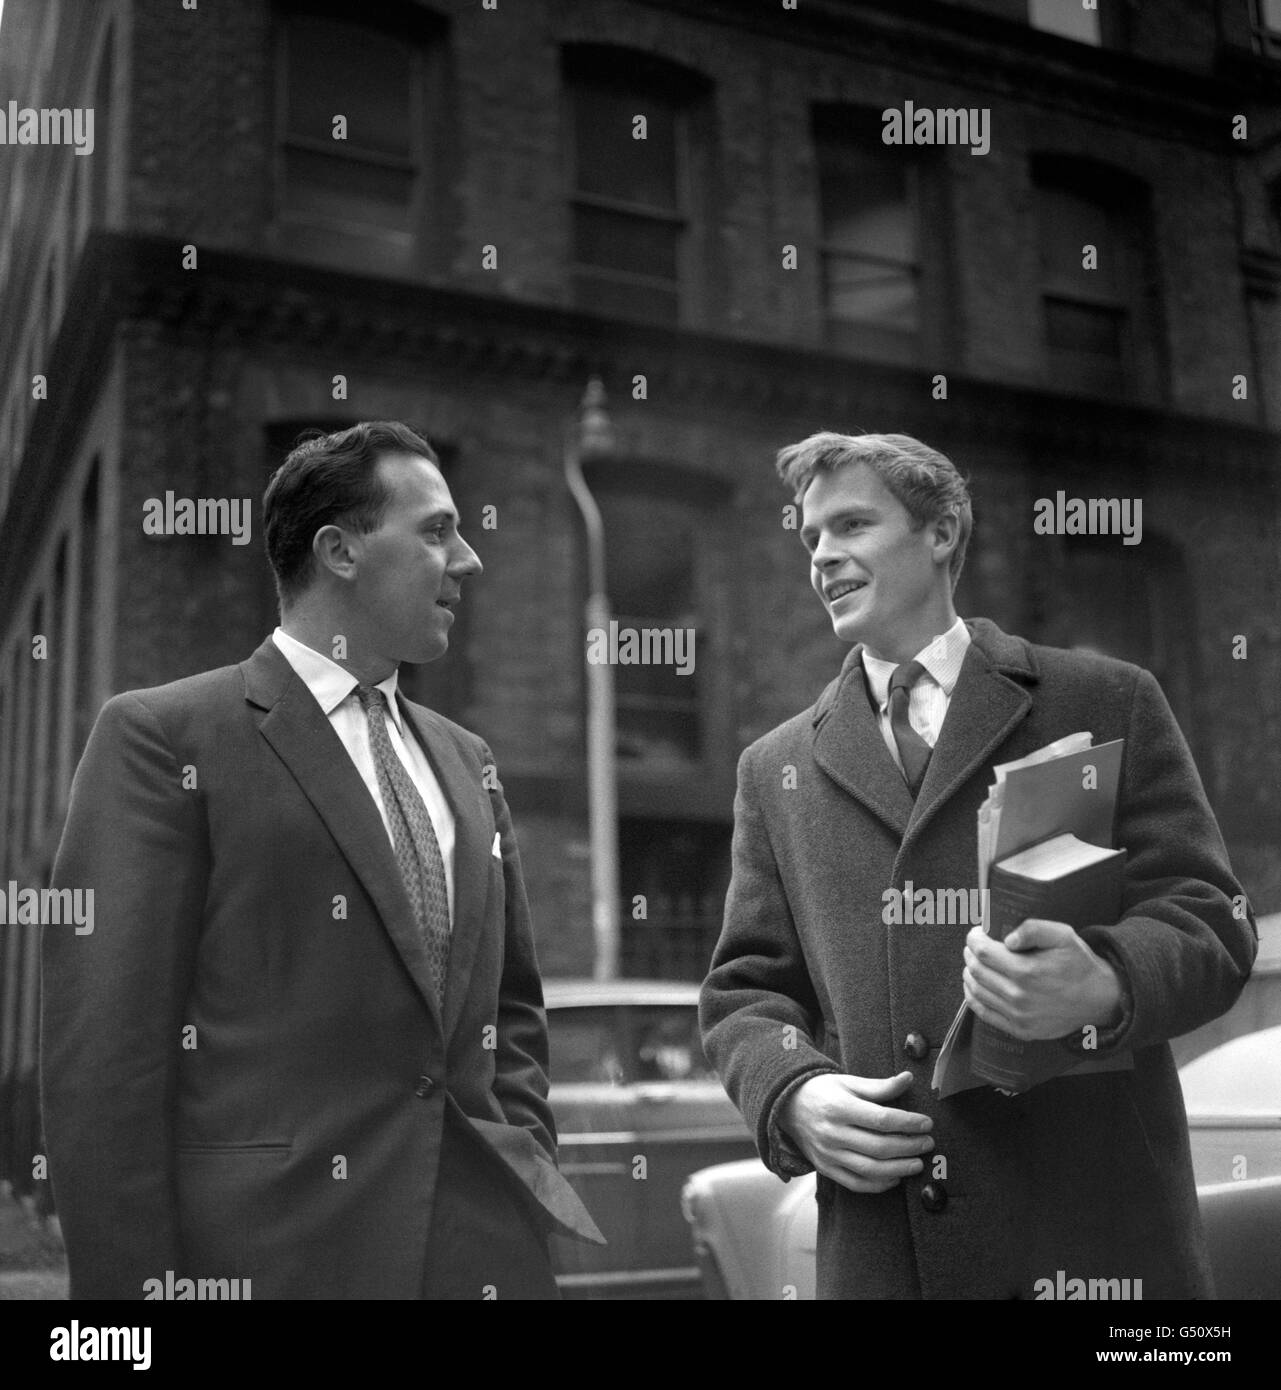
{"points": [[592, 437]]}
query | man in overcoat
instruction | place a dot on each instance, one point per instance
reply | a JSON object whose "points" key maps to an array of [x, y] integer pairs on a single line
{"points": [[303, 1052], [824, 1016]]}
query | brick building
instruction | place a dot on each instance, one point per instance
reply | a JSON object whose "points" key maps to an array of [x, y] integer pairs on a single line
{"points": [[489, 232]]}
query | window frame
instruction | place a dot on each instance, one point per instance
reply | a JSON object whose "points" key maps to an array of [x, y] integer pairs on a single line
{"points": [[684, 92], [427, 73]]}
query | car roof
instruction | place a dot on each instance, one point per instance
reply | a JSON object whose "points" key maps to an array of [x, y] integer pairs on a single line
{"points": [[563, 994], [1239, 1077]]}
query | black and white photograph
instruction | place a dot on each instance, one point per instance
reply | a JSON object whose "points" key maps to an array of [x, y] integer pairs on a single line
{"points": [[640, 660]]}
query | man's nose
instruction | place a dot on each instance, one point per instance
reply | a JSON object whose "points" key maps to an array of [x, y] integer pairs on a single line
{"points": [[465, 560], [825, 553]]}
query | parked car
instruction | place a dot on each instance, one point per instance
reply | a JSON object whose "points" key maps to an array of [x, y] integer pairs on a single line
{"points": [[638, 1109], [755, 1236]]}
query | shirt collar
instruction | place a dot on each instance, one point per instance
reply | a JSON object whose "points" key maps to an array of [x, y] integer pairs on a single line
{"points": [[941, 656], [330, 683]]}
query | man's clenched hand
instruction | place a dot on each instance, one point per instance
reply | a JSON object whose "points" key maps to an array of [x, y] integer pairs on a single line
{"points": [[847, 1131]]}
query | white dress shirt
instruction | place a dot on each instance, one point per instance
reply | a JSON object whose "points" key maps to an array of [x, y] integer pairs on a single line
{"points": [[930, 696], [335, 692]]}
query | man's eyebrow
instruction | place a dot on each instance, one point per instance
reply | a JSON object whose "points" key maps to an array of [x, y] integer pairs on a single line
{"points": [[859, 509], [444, 514]]}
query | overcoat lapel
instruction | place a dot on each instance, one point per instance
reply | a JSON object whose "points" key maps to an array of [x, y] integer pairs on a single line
{"points": [[473, 834], [986, 705], [848, 746], [299, 731], [989, 701]]}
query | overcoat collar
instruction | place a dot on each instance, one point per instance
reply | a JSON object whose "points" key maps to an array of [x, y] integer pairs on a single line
{"points": [[303, 737], [991, 697]]}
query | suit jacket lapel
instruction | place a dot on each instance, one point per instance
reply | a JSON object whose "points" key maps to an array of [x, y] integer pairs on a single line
{"points": [[302, 735], [472, 850], [989, 700]]}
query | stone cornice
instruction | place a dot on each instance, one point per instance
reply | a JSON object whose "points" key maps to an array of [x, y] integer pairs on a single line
{"points": [[252, 303]]}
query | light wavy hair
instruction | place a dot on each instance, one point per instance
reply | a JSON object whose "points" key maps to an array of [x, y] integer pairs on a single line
{"points": [[926, 482]]}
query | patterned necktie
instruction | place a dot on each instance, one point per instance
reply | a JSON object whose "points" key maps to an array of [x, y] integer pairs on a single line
{"points": [[418, 855], [912, 748]]}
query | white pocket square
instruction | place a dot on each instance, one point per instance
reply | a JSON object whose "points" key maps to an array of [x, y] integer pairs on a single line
{"points": [[496, 851]]}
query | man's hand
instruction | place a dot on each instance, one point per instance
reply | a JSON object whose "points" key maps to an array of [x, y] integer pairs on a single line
{"points": [[842, 1127], [1042, 981]]}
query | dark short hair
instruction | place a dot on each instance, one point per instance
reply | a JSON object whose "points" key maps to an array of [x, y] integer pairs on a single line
{"points": [[329, 480], [925, 481]]}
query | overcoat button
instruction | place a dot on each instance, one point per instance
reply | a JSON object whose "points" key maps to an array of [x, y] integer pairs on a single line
{"points": [[917, 1046], [425, 1086], [934, 1196]]}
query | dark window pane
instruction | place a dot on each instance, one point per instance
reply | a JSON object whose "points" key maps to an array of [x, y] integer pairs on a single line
{"points": [[869, 237], [622, 241], [659, 684], [865, 207], [334, 68], [584, 1046], [667, 1044], [609, 161], [867, 290], [1271, 12], [649, 550], [623, 300], [333, 188], [658, 740], [1084, 328], [1069, 222], [650, 556]]}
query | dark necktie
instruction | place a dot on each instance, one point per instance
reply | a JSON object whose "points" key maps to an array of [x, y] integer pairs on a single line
{"points": [[912, 748], [418, 855]]}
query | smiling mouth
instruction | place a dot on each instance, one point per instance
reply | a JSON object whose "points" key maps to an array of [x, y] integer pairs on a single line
{"points": [[846, 586]]}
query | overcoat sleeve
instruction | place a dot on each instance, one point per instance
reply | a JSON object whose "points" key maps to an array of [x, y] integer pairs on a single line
{"points": [[758, 1008], [1186, 939], [113, 998]]}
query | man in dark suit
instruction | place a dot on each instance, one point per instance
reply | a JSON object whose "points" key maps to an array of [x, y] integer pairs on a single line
{"points": [[825, 1021], [305, 1043]]}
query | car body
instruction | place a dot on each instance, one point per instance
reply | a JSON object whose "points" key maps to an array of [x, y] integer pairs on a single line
{"points": [[756, 1237], [638, 1109]]}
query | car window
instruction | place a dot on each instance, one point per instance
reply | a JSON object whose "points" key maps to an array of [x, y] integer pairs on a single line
{"points": [[584, 1045], [665, 1043]]}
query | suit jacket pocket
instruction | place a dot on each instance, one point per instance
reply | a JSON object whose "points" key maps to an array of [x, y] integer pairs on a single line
{"points": [[234, 1210], [529, 1161]]}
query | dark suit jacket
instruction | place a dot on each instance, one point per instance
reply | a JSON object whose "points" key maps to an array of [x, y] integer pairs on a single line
{"points": [[244, 1072], [1086, 1174]]}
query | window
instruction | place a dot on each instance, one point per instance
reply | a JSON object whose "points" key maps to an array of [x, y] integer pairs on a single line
{"points": [[682, 869], [1103, 601], [633, 232], [1097, 308], [650, 574], [1069, 18], [871, 264], [359, 198]]}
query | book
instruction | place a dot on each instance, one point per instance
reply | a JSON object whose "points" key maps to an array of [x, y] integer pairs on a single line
{"points": [[1067, 787], [1062, 879]]}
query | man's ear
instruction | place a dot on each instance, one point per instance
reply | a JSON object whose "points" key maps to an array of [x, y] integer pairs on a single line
{"points": [[946, 531], [336, 551]]}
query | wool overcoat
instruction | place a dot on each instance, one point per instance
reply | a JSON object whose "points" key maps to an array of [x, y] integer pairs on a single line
{"points": [[1087, 1174]]}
